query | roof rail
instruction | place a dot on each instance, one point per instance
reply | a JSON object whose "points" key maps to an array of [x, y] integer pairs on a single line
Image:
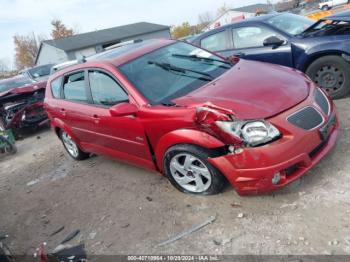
{"points": [[123, 44], [82, 60]]}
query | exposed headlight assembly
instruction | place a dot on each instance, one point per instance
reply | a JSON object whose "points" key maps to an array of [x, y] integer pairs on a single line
{"points": [[253, 133]]}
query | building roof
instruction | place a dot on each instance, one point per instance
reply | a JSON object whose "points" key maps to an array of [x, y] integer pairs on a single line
{"points": [[253, 8], [104, 36]]}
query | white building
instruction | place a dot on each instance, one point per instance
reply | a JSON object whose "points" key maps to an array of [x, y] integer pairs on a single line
{"points": [[74, 47], [238, 14]]}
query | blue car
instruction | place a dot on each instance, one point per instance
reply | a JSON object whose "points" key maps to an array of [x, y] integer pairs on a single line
{"points": [[321, 50]]}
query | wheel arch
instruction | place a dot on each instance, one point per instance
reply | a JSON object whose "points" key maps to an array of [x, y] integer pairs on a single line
{"points": [[58, 125], [318, 55], [185, 136]]}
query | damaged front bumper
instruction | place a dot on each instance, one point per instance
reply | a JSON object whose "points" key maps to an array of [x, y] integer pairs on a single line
{"points": [[272, 166]]}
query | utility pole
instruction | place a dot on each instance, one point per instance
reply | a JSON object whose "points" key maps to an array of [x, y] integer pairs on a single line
{"points": [[270, 4]]}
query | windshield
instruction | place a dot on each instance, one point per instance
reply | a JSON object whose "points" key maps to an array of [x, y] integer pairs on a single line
{"points": [[173, 71], [290, 23], [8, 85], [40, 71]]}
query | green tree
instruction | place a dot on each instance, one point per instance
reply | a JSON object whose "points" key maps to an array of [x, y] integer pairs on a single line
{"points": [[181, 30], [26, 49], [60, 30]]}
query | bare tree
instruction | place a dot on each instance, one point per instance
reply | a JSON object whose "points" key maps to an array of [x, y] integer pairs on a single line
{"points": [[204, 20], [222, 10]]}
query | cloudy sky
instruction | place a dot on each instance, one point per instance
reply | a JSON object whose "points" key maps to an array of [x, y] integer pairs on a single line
{"points": [[27, 16]]}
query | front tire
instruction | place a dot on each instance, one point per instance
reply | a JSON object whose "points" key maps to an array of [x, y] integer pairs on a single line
{"points": [[188, 170], [331, 73], [72, 148]]}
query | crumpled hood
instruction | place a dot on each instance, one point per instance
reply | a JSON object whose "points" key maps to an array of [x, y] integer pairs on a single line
{"points": [[252, 90], [26, 89]]}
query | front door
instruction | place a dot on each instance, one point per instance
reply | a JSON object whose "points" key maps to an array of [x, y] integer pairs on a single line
{"points": [[124, 134], [248, 44]]}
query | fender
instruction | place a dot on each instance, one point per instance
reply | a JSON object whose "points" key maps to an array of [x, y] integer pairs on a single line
{"points": [[184, 136], [58, 123], [303, 58]]}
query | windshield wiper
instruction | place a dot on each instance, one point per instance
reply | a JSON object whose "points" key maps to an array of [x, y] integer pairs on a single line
{"points": [[207, 59], [170, 67]]}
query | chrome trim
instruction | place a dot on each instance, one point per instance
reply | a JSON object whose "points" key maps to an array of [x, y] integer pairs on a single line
{"points": [[301, 109], [327, 99]]}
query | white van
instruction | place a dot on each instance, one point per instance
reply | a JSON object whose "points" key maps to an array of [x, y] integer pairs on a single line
{"points": [[328, 4]]}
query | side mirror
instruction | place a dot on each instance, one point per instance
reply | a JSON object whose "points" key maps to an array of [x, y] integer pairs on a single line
{"points": [[123, 109], [273, 41], [233, 59]]}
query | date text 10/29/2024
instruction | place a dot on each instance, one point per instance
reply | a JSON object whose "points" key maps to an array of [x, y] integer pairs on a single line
{"points": [[173, 258]]}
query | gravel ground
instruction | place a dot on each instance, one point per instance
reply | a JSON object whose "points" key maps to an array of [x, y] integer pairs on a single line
{"points": [[121, 209]]}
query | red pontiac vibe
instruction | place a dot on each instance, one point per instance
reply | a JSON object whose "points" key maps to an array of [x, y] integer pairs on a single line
{"points": [[193, 116]]}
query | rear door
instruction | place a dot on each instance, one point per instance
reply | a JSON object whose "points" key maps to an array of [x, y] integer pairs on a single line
{"points": [[74, 106]]}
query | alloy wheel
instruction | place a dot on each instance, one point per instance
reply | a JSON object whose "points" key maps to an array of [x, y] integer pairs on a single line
{"points": [[70, 145], [190, 173]]}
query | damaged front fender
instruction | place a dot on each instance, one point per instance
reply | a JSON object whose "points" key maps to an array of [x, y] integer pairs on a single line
{"points": [[207, 116]]}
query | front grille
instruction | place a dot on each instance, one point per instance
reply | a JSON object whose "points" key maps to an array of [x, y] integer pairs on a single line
{"points": [[307, 118], [322, 101]]}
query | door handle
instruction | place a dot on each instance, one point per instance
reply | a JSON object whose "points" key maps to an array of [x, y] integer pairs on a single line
{"points": [[96, 118], [63, 111]]}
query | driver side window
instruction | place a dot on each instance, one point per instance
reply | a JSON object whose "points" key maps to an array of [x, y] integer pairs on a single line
{"points": [[105, 90], [251, 36]]}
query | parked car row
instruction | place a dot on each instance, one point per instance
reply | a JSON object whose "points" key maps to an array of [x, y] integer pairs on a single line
{"points": [[328, 4], [202, 114], [321, 50]]}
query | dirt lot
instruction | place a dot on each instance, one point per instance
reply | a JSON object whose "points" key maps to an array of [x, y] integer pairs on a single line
{"points": [[121, 209]]}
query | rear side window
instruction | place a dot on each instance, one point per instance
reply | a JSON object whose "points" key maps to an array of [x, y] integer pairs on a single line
{"points": [[74, 87], [56, 87], [215, 42], [105, 90]]}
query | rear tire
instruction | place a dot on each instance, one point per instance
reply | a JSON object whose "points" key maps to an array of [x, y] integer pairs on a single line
{"points": [[332, 73], [188, 170], [72, 148]]}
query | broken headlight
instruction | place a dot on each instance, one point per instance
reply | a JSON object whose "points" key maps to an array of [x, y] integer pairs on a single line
{"points": [[253, 133]]}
